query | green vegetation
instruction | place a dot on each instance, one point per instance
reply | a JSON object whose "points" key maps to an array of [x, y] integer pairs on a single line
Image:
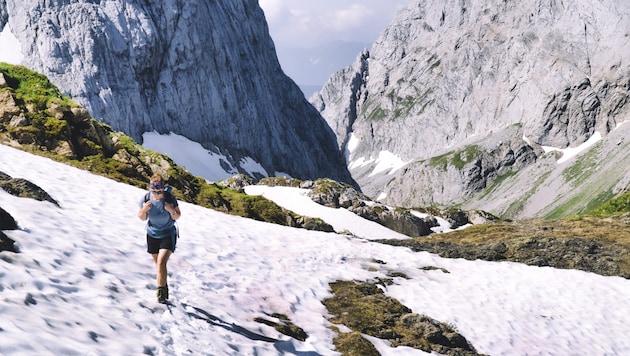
{"points": [[365, 309], [612, 207], [376, 114], [518, 204], [585, 243], [583, 166], [328, 186], [495, 183], [579, 204], [404, 106], [457, 159], [32, 88], [55, 127]]}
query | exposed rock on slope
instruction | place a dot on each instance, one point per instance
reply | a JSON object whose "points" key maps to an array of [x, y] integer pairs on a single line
{"points": [[206, 70], [446, 79]]}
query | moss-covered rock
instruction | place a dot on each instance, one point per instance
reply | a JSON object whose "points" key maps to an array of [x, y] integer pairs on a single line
{"points": [[364, 308]]}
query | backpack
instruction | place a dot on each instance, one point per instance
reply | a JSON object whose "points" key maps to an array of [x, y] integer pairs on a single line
{"points": [[168, 195], [168, 198]]}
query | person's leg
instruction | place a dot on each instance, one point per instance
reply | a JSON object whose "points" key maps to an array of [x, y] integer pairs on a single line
{"points": [[160, 259], [160, 262]]}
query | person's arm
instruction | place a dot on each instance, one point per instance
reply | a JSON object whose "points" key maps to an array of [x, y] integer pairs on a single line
{"points": [[143, 213], [174, 211]]}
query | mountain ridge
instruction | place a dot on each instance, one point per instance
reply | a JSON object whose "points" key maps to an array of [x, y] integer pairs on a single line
{"points": [[452, 75]]}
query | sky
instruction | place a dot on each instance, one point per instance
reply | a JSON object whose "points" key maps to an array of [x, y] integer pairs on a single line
{"points": [[84, 284], [298, 23], [315, 39]]}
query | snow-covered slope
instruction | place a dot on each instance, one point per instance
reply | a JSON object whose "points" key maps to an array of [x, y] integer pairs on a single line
{"points": [[82, 275]]}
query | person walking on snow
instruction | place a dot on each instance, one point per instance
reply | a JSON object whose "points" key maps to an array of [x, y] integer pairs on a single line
{"points": [[160, 209]]}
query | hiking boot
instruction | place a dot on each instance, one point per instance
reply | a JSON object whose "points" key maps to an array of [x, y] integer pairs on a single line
{"points": [[162, 294]]}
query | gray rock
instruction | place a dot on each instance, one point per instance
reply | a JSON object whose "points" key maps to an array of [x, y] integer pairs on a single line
{"points": [[446, 77], [7, 243], [206, 70], [23, 188], [7, 222]]}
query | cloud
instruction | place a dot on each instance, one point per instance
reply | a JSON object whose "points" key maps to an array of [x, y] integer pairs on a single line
{"points": [[299, 23], [275, 10], [354, 16]]}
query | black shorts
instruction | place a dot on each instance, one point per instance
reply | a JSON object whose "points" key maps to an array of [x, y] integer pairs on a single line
{"points": [[155, 245]]}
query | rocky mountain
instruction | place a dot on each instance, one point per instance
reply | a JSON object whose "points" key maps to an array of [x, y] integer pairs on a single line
{"points": [[206, 70], [468, 103]]}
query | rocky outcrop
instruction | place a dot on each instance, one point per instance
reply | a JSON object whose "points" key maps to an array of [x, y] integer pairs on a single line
{"points": [[21, 188], [445, 77], [24, 188], [7, 222], [574, 114], [206, 70], [408, 222], [460, 174]]}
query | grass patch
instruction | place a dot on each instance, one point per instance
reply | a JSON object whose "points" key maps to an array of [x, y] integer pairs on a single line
{"points": [[518, 204], [32, 88], [365, 309], [583, 166], [586, 243], [616, 206], [457, 159], [377, 114], [580, 204], [495, 183]]}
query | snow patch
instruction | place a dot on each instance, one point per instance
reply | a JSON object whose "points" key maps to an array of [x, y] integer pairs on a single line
{"points": [[353, 143], [252, 167], [388, 161], [570, 152], [190, 155], [296, 200], [10, 47]]}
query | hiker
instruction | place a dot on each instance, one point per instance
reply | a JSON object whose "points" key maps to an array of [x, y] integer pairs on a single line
{"points": [[160, 208]]}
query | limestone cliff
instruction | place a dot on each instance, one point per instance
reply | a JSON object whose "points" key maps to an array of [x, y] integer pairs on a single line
{"points": [[464, 92], [206, 70]]}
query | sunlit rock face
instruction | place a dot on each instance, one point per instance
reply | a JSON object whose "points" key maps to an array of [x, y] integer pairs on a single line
{"points": [[464, 92], [206, 70]]}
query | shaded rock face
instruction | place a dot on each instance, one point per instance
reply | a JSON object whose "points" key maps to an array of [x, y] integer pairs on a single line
{"points": [[20, 187], [451, 74], [7, 222], [206, 70]]}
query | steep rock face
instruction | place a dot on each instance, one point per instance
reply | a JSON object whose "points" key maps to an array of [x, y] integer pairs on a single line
{"points": [[206, 70], [446, 76]]}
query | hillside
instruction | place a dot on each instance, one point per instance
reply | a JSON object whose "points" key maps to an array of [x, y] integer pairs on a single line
{"points": [[82, 283]]}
